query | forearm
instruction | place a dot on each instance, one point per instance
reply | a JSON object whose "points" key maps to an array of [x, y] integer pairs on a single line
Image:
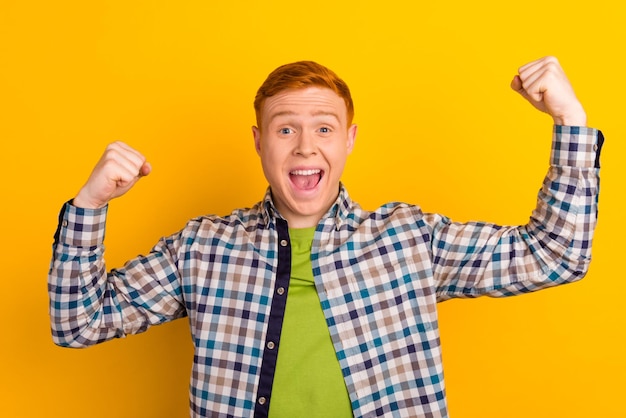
{"points": [[77, 280], [561, 229], [87, 305]]}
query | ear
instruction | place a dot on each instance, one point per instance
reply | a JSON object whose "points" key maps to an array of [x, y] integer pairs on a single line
{"points": [[256, 133], [351, 137]]}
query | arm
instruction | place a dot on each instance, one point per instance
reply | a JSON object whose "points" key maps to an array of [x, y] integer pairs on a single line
{"points": [[476, 259], [87, 305]]}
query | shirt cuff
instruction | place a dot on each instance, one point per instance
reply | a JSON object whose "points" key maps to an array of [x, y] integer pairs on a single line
{"points": [[576, 146], [79, 227]]}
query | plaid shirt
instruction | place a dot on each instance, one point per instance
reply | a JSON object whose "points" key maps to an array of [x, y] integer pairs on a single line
{"points": [[378, 274]]}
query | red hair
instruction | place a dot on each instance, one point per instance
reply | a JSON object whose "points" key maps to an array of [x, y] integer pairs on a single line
{"points": [[301, 75]]}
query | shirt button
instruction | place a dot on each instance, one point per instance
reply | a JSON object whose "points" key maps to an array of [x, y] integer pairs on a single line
{"points": [[65, 223], [595, 147], [280, 291], [283, 242], [271, 345], [262, 400]]}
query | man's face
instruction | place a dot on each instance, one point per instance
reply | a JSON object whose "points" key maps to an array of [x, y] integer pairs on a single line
{"points": [[304, 141]]}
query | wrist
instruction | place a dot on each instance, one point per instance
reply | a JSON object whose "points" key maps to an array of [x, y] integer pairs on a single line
{"points": [[81, 201], [574, 118]]}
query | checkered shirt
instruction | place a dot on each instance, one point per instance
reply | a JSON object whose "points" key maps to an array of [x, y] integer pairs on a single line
{"points": [[379, 275]]}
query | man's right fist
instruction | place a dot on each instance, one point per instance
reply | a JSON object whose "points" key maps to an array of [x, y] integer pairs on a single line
{"points": [[119, 168]]}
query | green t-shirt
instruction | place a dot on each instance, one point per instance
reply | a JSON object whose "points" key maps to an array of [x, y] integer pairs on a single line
{"points": [[308, 380]]}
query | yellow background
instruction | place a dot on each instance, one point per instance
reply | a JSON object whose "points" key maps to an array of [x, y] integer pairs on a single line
{"points": [[438, 126]]}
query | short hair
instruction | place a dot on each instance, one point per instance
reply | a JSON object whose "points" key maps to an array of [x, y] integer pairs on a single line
{"points": [[301, 75]]}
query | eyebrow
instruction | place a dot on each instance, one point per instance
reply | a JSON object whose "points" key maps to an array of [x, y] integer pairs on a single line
{"points": [[316, 113]]}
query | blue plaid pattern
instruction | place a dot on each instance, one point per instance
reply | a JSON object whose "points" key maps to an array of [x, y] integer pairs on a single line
{"points": [[379, 276]]}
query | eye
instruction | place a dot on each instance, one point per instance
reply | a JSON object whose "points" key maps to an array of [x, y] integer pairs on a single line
{"points": [[324, 130], [285, 131]]}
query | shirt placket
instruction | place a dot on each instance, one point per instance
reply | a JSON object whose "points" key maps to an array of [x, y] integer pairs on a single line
{"points": [[275, 323]]}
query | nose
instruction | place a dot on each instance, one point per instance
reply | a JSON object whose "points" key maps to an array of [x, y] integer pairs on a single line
{"points": [[305, 145]]}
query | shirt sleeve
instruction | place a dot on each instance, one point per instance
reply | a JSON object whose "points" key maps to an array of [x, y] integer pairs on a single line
{"points": [[87, 305], [474, 259]]}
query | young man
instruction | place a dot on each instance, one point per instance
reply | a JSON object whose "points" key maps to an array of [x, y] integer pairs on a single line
{"points": [[306, 304]]}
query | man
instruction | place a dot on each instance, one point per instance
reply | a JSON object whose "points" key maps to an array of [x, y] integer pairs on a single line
{"points": [[306, 304]]}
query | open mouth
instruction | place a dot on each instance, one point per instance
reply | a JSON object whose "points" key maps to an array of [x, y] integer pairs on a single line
{"points": [[306, 179]]}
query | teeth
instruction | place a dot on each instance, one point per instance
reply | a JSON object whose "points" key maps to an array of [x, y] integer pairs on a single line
{"points": [[305, 172]]}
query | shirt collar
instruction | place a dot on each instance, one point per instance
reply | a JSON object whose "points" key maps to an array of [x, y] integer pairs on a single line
{"points": [[337, 214]]}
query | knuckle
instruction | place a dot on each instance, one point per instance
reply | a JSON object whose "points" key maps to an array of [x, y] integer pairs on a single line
{"points": [[551, 59]]}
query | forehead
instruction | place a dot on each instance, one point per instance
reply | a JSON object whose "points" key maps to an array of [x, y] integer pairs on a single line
{"points": [[304, 102]]}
